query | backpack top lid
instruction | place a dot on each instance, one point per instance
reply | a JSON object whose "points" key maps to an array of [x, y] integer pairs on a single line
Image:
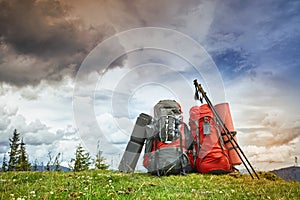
{"points": [[197, 112], [166, 107]]}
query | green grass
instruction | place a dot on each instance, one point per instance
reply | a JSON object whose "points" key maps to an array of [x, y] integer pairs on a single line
{"points": [[115, 185]]}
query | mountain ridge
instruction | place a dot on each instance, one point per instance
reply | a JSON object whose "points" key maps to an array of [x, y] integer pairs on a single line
{"points": [[288, 173]]}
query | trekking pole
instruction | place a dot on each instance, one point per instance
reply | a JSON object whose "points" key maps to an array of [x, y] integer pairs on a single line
{"points": [[232, 141], [199, 88]]}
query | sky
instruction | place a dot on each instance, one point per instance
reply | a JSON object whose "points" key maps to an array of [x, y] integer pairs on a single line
{"points": [[80, 72]]}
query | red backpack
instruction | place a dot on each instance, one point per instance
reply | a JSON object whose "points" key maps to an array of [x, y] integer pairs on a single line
{"points": [[168, 147], [211, 153]]}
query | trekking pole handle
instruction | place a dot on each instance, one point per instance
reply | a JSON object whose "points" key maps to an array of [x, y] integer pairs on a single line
{"points": [[199, 87]]}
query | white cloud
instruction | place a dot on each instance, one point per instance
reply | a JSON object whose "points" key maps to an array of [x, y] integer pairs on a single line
{"points": [[268, 158], [117, 130], [266, 120], [44, 120]]}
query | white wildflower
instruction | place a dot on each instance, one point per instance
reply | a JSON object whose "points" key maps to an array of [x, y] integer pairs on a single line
{"points": [[207, 192]]}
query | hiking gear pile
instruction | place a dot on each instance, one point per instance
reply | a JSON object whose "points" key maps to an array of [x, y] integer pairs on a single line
{"points": [[208, 146]]}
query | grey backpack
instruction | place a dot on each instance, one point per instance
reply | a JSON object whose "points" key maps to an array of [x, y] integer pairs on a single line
{"points": [[168, 147]]}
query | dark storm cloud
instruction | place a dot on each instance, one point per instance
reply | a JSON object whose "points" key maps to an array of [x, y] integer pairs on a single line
{"points": [[40, 40], [40, 28], [47, 40]]}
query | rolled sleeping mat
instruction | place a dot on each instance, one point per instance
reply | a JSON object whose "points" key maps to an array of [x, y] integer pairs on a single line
{"points": [[135, 144], [224, 112]]}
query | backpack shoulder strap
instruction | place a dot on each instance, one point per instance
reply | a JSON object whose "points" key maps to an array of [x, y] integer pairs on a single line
{"points": [[183, 167], [219, 135]]}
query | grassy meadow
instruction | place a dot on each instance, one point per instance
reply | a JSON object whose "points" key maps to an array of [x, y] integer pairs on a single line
{"points": [[116, 185]]}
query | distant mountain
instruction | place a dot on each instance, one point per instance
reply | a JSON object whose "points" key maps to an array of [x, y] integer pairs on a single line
{"points": [[52, 167], [288, 174]]}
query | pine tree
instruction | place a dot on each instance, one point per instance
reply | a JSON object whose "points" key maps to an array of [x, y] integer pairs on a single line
{"points": [[42, 166], [82, 159], [48, 165], [100, 160], [56, 163], [4, 164], [35, 165], [14, 151], [23, 163]]}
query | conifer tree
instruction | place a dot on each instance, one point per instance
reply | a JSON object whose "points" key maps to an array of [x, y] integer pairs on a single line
{"points": [[56, 162], [14, 151], [82, 159], [35, 165], [42, 166], [4, 164], [48, 165], [23, 163], [100, 160]]}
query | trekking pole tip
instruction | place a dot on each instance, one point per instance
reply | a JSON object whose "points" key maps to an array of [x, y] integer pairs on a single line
{"points": [[199, 87]]}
